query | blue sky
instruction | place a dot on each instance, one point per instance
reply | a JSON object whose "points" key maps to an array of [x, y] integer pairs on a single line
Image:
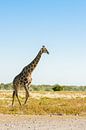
{"points": [[60, 25]]}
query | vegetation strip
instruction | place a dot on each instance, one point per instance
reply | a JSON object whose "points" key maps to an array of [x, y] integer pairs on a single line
{"points": [[45, 105]]}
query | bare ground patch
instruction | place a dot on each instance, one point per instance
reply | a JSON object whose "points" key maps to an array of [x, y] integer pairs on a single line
{"points": [[25, 122]]}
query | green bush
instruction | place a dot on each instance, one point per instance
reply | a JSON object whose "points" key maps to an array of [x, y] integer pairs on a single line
{"points": [[57, 88]]}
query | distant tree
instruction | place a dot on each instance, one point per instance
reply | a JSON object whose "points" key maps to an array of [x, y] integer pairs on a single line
{"points": [[6, 86], [2, 86], [57, 88]]}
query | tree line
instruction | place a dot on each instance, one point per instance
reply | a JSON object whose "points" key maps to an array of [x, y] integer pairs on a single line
{"points": [[56, 87]]}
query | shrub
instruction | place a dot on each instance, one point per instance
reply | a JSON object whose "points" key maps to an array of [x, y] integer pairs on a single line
{"points": [[57, 88]]}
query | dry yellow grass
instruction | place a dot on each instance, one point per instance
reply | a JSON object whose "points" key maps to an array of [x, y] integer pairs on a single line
{"points": [[45, 103]]}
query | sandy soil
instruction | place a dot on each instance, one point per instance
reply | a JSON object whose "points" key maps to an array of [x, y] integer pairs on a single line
{"points": [[7, 95], [27, 122], [65, 95]]}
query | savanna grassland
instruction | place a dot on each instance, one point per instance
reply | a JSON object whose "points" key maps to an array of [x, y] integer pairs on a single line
{"points": [[45, 103]]}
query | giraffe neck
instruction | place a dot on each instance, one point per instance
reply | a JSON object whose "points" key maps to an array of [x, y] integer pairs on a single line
{"points": [[34, 63]]}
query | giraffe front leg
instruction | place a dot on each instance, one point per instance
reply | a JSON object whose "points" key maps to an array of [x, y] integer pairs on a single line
{"points": [[27, 93]]}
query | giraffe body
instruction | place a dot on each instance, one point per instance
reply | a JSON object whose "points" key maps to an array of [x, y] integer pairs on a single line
{"points": [[24, 78]]}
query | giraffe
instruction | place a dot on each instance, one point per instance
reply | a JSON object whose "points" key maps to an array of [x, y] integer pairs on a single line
{"points": [[24, 78]]}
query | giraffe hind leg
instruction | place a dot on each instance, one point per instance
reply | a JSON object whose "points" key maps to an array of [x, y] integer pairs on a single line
{"points": [[18, 98], [13, 96], [15, 93]]}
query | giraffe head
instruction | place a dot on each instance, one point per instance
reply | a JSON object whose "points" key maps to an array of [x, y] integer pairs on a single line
{"points": [[44, 50]]}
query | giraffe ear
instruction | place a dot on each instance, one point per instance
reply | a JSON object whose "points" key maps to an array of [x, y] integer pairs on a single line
{"points": [[43, 46]]}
